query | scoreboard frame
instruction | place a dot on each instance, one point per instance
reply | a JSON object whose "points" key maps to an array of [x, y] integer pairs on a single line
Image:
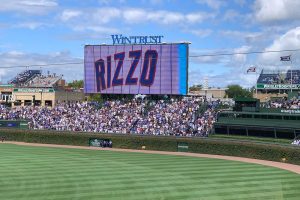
{"points": [[102, 65]]}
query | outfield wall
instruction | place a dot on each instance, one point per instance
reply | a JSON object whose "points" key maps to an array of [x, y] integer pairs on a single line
{"points": [[248, 149]]}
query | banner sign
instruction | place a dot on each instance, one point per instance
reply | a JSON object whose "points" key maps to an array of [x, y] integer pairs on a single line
{"points": [[136, 69], [182, 147], [8, 124], [278, 86], [14, 124], [279, 110], [6, 89], [290, 111], [32, 90], [120, 39], [97, 142], [6, 85]]}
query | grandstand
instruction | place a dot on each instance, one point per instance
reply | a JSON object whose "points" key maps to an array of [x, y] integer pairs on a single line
{"points": [[24, 77], [278, 84], [279, 77], [31, 87], [295, 74], [44, 81], [272, 78]]}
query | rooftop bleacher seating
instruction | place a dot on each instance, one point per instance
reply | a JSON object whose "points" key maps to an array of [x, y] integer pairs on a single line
{"points": [[269, 79], [43, 81], [24, 76], [295, 74]]}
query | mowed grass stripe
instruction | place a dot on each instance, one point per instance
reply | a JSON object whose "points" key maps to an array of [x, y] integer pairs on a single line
{"points": [[222, 192], [189, 165], [161, 183], [124, 157], [144, 175], [71, 173], [154, 181], [201, 172], [131, 181], [68, 153]]}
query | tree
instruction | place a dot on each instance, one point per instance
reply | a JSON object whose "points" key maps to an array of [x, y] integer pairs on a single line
{"points": [[195, 88], [234, 91], [76, 84]]}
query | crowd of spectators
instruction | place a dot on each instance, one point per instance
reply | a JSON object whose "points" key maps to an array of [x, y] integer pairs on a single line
{"points": [[24, 76], [176, 118], [285, 104], [291, 76], [295, 74], [43, 81], [269, 79], [163, 117], [296, 142]]}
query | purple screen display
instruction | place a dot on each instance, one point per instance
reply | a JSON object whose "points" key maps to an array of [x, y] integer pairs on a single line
{"points": [[136, 69]]}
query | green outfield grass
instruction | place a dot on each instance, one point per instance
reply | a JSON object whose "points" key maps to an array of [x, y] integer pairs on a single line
{"points": [[39, 173]]}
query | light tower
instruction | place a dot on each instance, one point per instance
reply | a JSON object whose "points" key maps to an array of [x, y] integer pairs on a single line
{"points": [[205, 85]]}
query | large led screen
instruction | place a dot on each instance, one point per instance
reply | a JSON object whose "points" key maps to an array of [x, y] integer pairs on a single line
{"points": [[136, 69]]}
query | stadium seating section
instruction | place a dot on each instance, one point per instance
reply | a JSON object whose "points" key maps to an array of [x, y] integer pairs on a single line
{"points": [[277, 78], [43, 81], [24, 76]]}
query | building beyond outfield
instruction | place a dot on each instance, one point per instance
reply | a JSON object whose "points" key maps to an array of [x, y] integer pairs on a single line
{"points": [[278, 84], [31, 87]]}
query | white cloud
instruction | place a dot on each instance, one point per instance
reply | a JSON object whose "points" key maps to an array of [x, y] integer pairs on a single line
{"points": [[103, 15], [236, 65], [288, 41], [171, 17], [97, 29], [30, 25], [200, 32], [131, 15], [69, 14], [240, 2], [12, 59], [207, 57], [230, 78], [231, 15], [238, 58], [198, 17], [258, 40], [107, 2], [267, 11], [90, 20], [214, 4], [225, 69], [34, 7], [134, 15]]}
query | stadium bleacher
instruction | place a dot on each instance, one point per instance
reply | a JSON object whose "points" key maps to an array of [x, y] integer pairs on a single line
{"points": [[174, 117], [24, 76], [269, 78], [295, 74], [43, 81], [279, 78]]}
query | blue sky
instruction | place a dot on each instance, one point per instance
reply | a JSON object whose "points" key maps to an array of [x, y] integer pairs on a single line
{"points": [[54, 31]]}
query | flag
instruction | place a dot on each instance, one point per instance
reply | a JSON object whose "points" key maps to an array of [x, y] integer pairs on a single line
{"points": [[285, 58], [251, 69]]}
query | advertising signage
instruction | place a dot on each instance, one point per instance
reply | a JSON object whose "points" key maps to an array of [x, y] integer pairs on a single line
{"points": [[33, 90], [152, 39], [278, 86], [136, 69]]}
